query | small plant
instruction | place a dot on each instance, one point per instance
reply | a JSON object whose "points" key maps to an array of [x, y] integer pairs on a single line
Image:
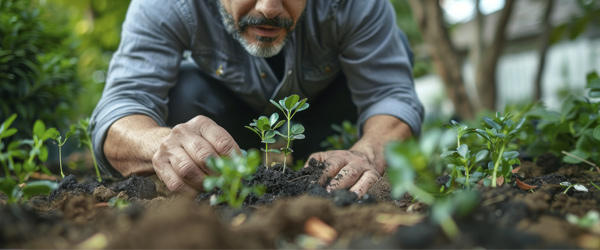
{"points": [[84, 134], [462, 161], [37, 151], [231, 171], [16, 190], [265, 128], [347, 135], [499, 133], [60, 142], [289, 106]]}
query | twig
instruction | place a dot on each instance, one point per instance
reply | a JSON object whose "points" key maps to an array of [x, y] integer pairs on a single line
{"points": [[581, 159]]}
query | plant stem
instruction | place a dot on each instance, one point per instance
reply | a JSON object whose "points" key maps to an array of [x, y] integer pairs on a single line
{"points": [[288, 142], [467, 176], [60, 160], [266, 155], [497, 163], [94, 160]]}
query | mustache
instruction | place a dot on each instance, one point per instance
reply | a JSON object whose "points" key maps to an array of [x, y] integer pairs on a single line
{"points": [[247, 21]]}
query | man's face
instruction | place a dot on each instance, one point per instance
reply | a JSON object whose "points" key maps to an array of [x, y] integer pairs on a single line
{"points": [[261, 26]]}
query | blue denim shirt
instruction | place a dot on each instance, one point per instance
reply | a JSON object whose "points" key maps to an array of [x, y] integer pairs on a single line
{"points": [[357, 38]]}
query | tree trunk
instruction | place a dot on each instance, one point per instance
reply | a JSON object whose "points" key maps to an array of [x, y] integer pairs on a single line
{"points": [[544, 45], [485, 76], [428, 15]]}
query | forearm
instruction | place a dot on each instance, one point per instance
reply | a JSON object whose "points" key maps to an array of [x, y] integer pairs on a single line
{"points": [[131, 143], [378, 131]]}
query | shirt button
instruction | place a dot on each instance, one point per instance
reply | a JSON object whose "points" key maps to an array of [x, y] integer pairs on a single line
{"points": [[219, 71], [263, 75], [289, 72], [327, 69]]}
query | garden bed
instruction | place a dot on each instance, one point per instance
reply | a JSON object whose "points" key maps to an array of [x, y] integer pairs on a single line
{"points": [[77, 215]]}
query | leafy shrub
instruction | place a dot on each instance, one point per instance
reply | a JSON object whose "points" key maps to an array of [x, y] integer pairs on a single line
{"points": [[574, 130], [289, 106], [37, 67]]}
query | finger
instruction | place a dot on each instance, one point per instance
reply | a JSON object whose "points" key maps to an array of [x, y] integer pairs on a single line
{"points": [[366, 181], [333, 165], [221, 141], [346, 177], [318, 156], [199, 151], [187, 168], [166, 174]]}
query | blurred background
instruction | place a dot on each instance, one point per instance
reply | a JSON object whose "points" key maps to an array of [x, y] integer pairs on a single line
{"points": [[472, 56]]}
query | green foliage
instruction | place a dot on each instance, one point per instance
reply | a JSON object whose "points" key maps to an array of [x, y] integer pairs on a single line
{"points": [[575, 129], [265, 129], [230, 173], [289, 106], [83, 132], [118, 202], [347, 135], [37, 67], [97, 26], [15, 193]]}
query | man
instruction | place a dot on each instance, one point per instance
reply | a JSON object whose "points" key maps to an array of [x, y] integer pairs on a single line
{"points": [[346, 56]]}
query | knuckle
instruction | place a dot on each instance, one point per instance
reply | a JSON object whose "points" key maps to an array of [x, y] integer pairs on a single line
{"points": [[175, 186], [188, 170], [224, 144]]}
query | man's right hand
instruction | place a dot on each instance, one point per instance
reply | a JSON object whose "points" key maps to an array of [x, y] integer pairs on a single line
{"points": [[177, 156], [180, 161]]}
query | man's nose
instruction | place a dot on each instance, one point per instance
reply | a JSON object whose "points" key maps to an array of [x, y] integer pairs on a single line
{"points": [[269, 8]]}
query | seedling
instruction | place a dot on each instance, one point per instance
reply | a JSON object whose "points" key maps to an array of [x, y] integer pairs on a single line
{"points": [[84, 135], [265, 129], [588, 221], [289, 106], [231, 171], [60, 142], [499, 132], [461, 160], [578, 187], [38, 151]]}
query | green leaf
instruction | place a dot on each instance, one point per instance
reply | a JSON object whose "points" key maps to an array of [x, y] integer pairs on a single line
{"points": [[510, 154], [463, 150], [274, 151], [7, 186], [279, 124], [297, 129], [303, 107], [298, 137], [481, 155], [277, 105], [270, 134], [6, 124], [273, 119], [290, 101], [39, 187], [49, 133], [596, 133], [492, 123], [209, 183], [39, 128], [268, 140]]}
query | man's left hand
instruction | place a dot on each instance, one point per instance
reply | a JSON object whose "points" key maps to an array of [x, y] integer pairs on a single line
{"points": [[348, 169]]}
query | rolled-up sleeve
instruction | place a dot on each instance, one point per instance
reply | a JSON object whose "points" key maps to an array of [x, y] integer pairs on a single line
{"points": [[376, 63], [142, 70]]}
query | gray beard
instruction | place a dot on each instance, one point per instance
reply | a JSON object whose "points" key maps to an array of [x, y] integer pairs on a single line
{"points": [[253, 49]]}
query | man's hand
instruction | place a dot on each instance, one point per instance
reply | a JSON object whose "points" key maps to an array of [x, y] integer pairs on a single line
{"points": [[361, 167], [180, 162], [137, 145], [349, 169]]}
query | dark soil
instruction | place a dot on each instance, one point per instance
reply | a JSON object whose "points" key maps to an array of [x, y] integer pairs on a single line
{"points": [[77, 215]]}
